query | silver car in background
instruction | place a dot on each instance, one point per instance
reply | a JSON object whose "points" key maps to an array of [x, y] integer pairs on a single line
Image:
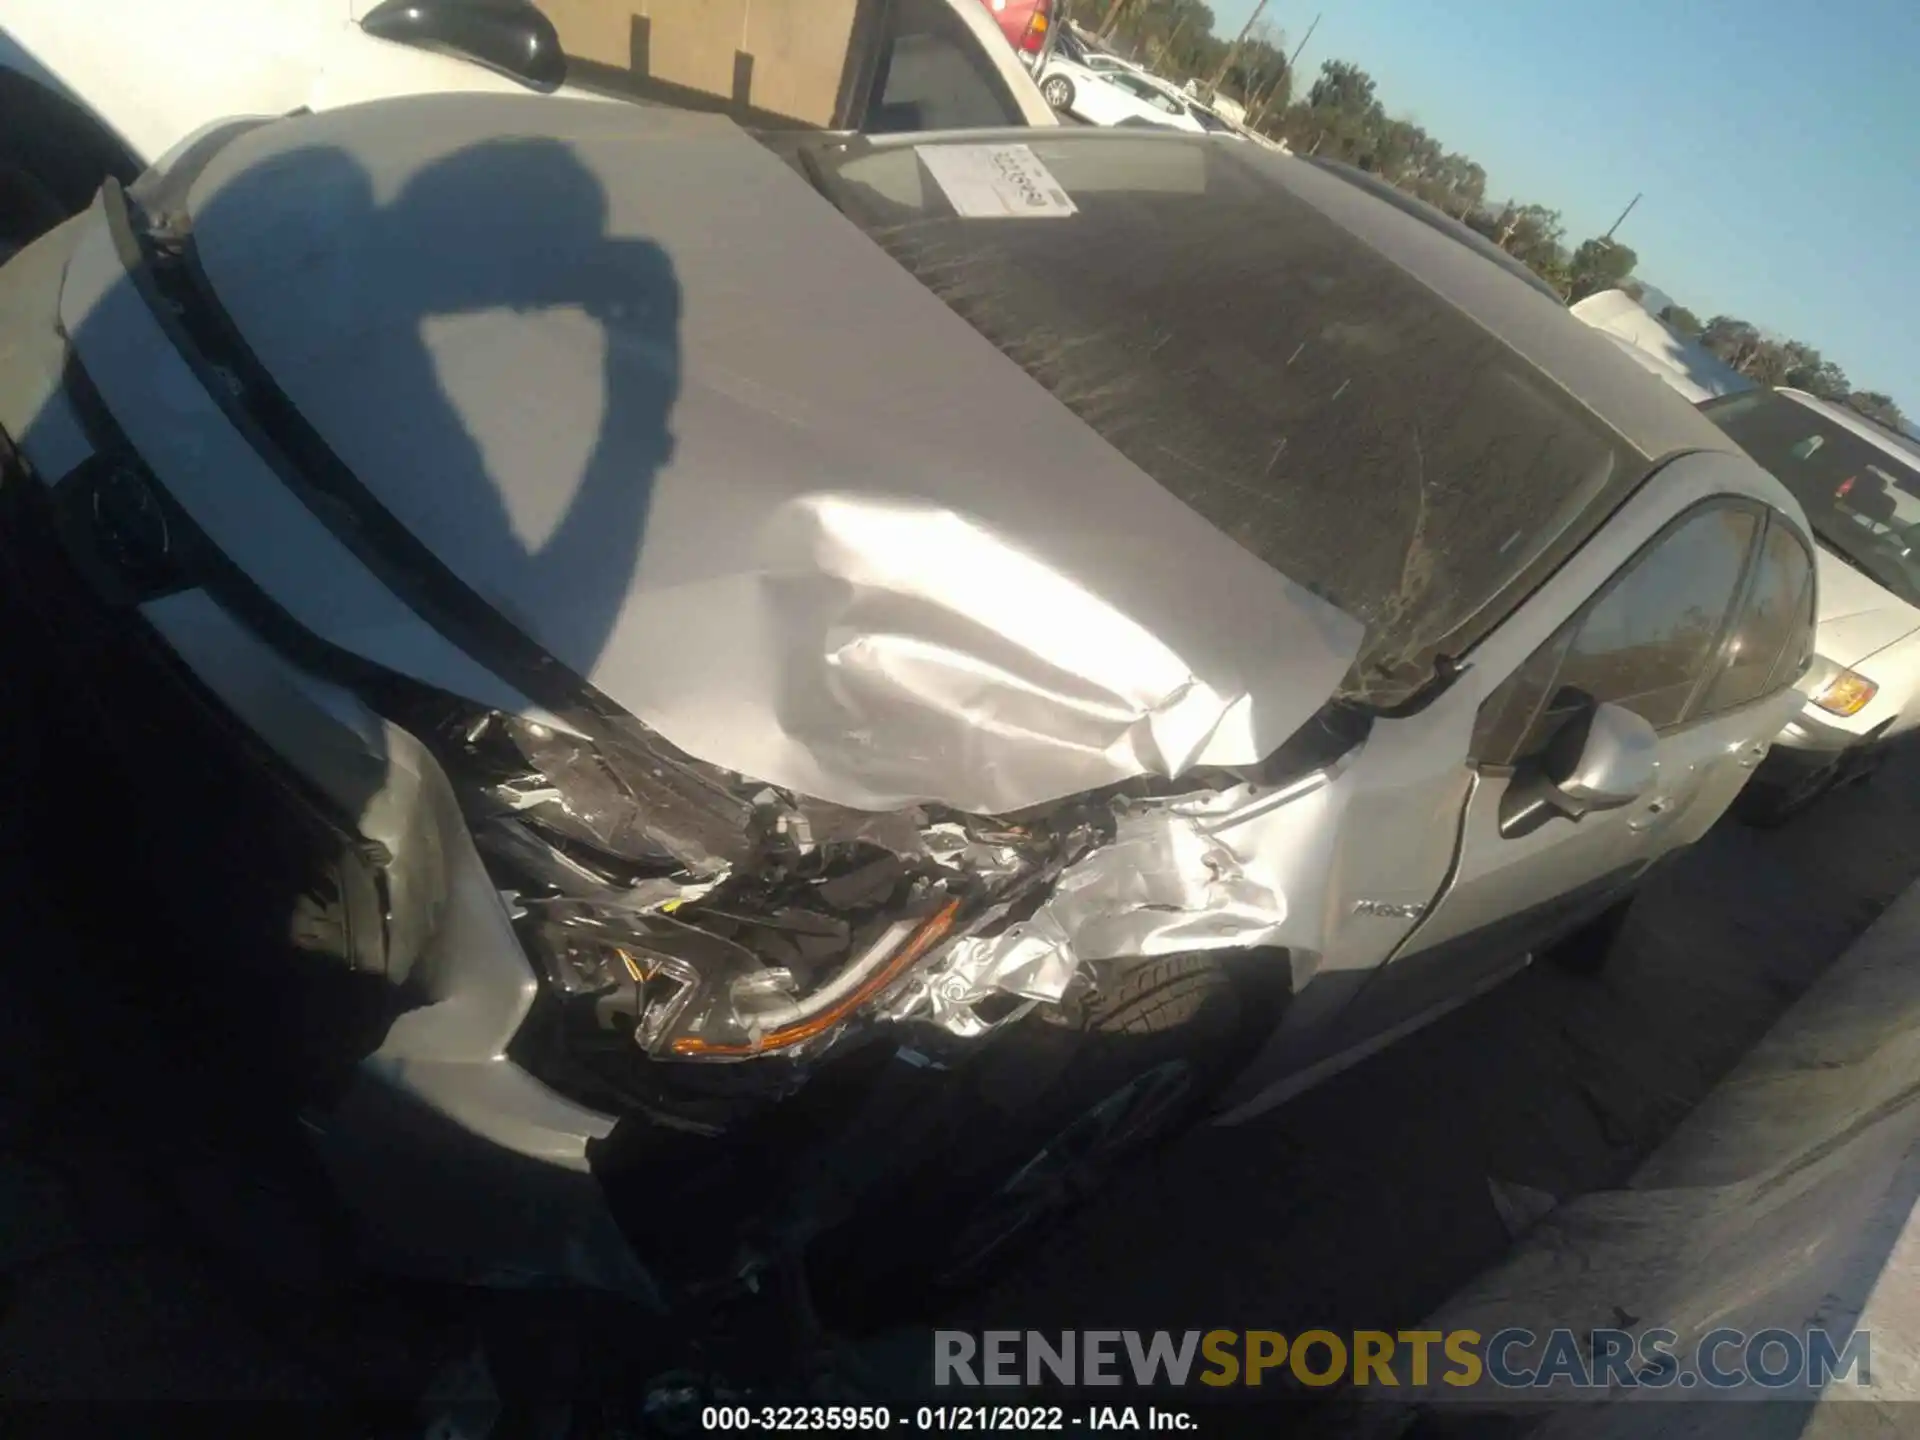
{"points": [[1008, 642], [1860, 486]]}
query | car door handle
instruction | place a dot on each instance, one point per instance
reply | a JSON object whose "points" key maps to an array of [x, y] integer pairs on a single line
{"points": [[1651, 812]]}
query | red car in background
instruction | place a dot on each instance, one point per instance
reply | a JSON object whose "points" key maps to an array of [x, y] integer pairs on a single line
{"points": [[1027, 24]]}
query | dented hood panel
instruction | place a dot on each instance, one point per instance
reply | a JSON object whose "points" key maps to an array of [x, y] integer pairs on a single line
{"points": [[654, 400]]}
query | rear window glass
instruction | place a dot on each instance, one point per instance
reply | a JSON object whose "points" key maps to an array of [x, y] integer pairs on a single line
{"points": [[1862, 498], [1773, 619], [1305, 395]]}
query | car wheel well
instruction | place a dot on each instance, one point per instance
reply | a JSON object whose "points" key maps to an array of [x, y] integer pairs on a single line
{"points": [[1258, 983]]}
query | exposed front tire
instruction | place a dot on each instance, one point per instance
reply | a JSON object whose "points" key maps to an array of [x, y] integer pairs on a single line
{"points": [[1057, 91], [1057, 1108]]}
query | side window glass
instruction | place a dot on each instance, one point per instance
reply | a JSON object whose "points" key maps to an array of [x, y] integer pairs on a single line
{"points": [[1509, 715], [934, 76], [1646, 642], [1799, 652], [1773, 618], [1643, 643]]}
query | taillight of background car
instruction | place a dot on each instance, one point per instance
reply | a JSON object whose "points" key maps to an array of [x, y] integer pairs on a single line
{"points": [[1034, 40], [1025, 23]]}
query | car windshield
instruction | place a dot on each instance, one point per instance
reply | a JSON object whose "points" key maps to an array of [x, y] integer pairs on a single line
{"points": [[1862, 497], [1306, 395], [1438, 219]]}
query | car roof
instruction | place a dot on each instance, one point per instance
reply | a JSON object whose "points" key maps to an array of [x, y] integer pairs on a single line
{"points": [[1432, 215]]}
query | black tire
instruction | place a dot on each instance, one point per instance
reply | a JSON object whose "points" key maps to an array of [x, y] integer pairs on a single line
{"points": [[1587, 950], [1057, 91], [1156, 1040], [54, 156]]}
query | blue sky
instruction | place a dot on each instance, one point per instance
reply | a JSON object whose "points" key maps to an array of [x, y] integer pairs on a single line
{"points": [[1777, 141]]}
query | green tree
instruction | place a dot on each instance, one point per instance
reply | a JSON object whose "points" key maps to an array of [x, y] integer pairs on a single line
{"points": [[1173, 37], [1269, 106], [1533, 235], [1600, 264], [1682, 320], [1809, 370], [1875, 406], [1734, 340], [1258, 66], [1343, 87], [1768, 363], [1464, 183]]}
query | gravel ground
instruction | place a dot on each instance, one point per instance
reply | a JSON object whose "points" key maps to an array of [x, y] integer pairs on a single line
{"points": [[146, 1259]]}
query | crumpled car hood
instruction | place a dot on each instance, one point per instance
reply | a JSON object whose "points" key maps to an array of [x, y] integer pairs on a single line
{"points": [[655, 401], [1858, 617]]}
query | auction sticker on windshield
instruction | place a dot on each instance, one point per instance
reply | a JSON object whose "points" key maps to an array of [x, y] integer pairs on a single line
{"points": [[995, 180]]}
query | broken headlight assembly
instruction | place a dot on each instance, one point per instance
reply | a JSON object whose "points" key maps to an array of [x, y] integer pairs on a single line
{"points": [[684, 914]]}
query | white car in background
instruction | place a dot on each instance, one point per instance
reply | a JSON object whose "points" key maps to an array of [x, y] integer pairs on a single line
{"points": [[1681, 361], [107, 87], [1860, 486], [1214, 123], [1114, 96], [1078, 48]]}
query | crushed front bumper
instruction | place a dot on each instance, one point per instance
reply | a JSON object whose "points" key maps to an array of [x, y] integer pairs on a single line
{"points": [[456, 1162]]}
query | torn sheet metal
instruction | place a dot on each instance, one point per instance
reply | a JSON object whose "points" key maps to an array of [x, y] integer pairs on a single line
{"points": [[1034, 960], [1211, 871]]}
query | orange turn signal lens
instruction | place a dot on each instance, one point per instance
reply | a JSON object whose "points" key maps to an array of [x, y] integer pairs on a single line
{"points": [[931, 932], [1846, 694]]}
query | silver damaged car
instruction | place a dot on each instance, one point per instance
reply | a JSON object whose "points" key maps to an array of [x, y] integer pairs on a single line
{"points": [[765, 686]]}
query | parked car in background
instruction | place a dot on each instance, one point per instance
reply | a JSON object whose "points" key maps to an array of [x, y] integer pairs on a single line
{"points": [[1213, 123], [1083, 52], [1679, 360], [1211, 119], [1114, 96], [105, 88], [1223, 106], [1860, 486], [608, 706], [1028, 26]]}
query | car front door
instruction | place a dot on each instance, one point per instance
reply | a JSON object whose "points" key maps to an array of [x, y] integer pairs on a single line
{"points": [[1137, 100], [1659, 639]]}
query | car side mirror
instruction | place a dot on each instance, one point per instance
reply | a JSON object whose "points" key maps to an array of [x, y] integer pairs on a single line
{"points": [[1600, 759], [508, 36]]}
